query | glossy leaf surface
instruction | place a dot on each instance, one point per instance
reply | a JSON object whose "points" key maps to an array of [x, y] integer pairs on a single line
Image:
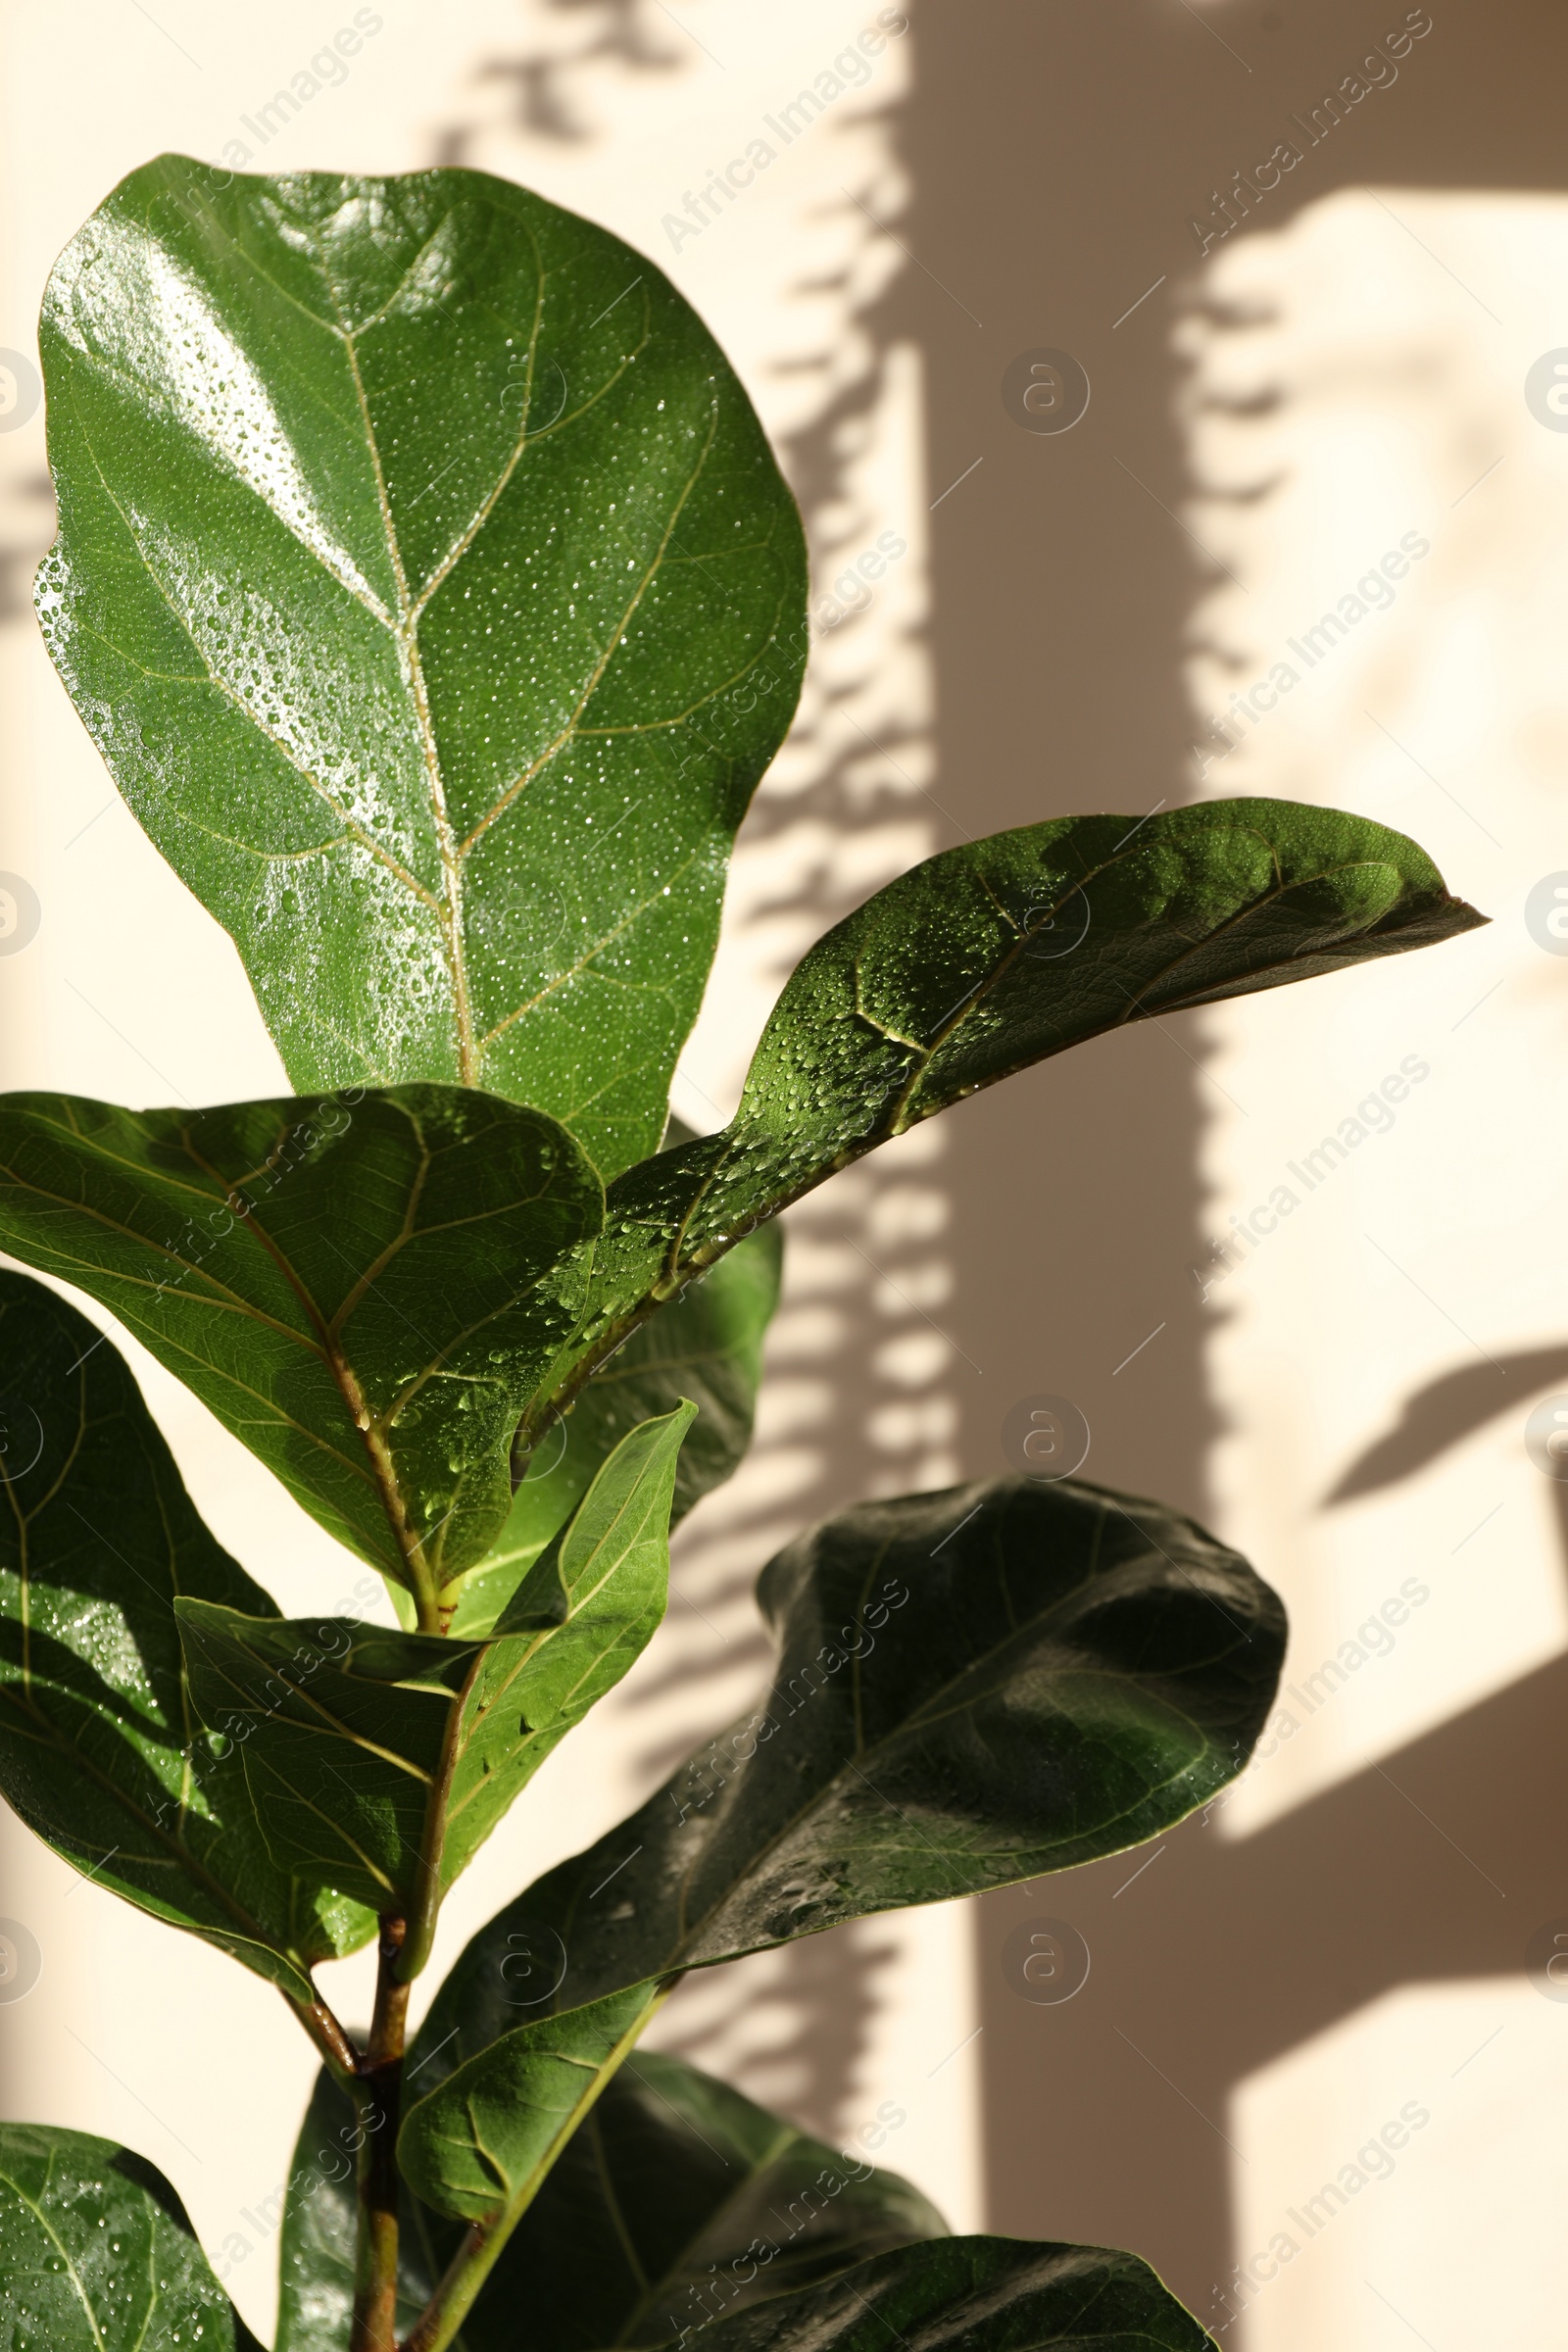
{"points": [[97, 2253], [672, 2180], [100, 1748], [974, 1687], [998, 955], [364, 1290], [427, 581], [705, 1345], [379, 1761], [988, 2294]]}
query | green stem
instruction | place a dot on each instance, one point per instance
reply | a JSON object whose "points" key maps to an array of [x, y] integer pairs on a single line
{"points": [[377, 2095]]}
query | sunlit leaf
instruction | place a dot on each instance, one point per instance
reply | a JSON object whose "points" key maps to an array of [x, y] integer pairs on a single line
{"points": [[377, 1761], [1001, 953], [707, 1345], [97, 2253], [427, 581], [364, 1290]]}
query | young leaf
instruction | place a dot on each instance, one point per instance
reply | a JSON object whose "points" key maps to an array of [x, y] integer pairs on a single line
{"points": [[975, 1687], [705, 1345], [97, 2253], [988, 2294], [672, 2180], [427, 581], [377, 1762], [101, 1751], [478, 2146], [366, 1290], [998, 955]]}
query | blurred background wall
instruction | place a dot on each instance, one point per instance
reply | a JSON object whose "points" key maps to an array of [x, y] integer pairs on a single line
{"points": [[1296, 368]]}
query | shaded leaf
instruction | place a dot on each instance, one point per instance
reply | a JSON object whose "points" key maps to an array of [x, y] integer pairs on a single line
{"points": [[427, 581], [998, 955], [672, 2180], [364, 1290], [101, 1748], [377, 1761], [97, 2253], [340, 1766], [974, 1687], [988, 2294], [705, 1345]]}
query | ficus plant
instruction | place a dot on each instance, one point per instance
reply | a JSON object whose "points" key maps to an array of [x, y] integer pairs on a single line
{"points": [[427, 581]]}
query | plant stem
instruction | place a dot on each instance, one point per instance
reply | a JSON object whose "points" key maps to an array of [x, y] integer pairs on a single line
{"points": [[486, 2241], [378, 2090], [342, 2058]]}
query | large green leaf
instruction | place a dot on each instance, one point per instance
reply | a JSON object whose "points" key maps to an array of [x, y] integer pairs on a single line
{"points": [[974, 1687], [101, 1750], [97, 2253], [377, 1761], [707, 1345], [987, 2294], [998, 955], [425, 580], [671, 2178], [365, 1288]]}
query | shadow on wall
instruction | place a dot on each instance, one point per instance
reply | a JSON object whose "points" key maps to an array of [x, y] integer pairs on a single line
{"points": [[1059, 158]]}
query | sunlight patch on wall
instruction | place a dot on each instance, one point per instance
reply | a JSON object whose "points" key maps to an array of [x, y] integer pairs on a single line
{"points": [[1383, 1259]]}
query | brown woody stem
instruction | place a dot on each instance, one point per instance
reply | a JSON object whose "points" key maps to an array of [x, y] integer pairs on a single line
{"points": [[377, 2095], [341, 2056]]}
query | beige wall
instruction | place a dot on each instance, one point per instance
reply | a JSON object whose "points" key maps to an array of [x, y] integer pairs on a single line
{"points": [[1347, 1936]]}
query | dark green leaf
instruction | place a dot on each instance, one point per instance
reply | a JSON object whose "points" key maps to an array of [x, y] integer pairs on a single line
{"points": [[992, 956], [364, 1290], [101, 1750], [705, 1345], [975, 1687], [675, 2178], [315, 2284], [478, 2146], [340, 1766], [987, 2294], [672, 2180], [377, 1762], [97, 2253], [425, 580]]}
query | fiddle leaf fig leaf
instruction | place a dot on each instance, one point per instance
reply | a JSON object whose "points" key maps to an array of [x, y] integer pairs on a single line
{"points": [[672, 2180], [101, 1750], [377, 1762], [998, 955], [974, 1687], [707, 1345], [990, 2294], [478, 2146], [340, 1765], [364, 1290], [675, 2180], [427, 583], [97, 2253]]}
